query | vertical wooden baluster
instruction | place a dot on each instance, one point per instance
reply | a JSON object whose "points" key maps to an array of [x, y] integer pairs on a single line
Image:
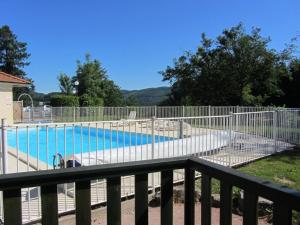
{"points": [[114, 201], [49, 205], [189, 197], [12, 207], [83, 202], [282, 214], [205, 200], [226, 203], [166, 208], [141, 199], [250, 209]]}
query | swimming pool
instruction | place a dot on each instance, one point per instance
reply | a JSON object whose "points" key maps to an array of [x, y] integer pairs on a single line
{"points": [[43, 143]]}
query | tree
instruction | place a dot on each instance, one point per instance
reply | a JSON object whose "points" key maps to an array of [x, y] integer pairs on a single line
{"points": [[13, 57], [94, 84], [65, 84], [131, 101], [87, 100], [112, 94], [64, 100], [90, 76], [290, 86], [237, 68]]}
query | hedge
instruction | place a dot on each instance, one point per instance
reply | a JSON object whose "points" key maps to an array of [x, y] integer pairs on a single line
{"points": [[64, 100]]}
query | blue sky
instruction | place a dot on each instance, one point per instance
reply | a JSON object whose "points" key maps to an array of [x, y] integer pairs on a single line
{"points": [[134, 40]]}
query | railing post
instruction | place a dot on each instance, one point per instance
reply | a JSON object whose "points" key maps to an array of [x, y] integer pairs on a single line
{"points": [[189, 196], [183, 111], [282, 214], [152, 150], [231, 146], [205, 199], [4, 145], [275, 129], [250, 212], [114, 201], [12, 206], [83, 202], [225, 203], [141, 199], [155, 111], [49, 205], [166, 206]]}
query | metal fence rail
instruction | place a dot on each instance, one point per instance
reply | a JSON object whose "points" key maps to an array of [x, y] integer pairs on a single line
{"points": [[86, 114]]}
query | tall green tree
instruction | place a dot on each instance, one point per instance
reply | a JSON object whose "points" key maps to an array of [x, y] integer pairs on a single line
{"points": [[91, 77], [94, 84], [238, 68], [290, 86], [13, 57], [65, 84], [112, 94]]}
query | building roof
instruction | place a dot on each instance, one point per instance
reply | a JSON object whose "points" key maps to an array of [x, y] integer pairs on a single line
{"points": [[7, 78]]}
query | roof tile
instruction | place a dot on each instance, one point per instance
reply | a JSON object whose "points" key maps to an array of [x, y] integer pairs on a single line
{"points": [[7, 78]]}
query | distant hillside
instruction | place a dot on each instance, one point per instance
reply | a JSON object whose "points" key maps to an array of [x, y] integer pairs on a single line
{"points": [[149, 96]]}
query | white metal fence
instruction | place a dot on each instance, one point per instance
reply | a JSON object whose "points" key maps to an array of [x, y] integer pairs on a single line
{"points": [[225, 138], [88, 114]]}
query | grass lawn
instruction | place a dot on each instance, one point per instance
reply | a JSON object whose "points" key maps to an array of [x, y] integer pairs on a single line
{"points": [[282, 168]]}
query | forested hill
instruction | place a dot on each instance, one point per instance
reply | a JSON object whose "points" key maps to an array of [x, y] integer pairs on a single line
{"points": [[148, 96]]}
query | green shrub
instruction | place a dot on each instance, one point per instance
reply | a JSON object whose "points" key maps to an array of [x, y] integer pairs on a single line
{"points": [[64, 100], [87, 100]]}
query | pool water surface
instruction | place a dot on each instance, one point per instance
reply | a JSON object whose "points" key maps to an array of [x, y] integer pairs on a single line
{"points": [[42, 143]]}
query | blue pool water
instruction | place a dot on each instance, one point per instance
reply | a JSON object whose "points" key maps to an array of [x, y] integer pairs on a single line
{"points": [[86, 142]]}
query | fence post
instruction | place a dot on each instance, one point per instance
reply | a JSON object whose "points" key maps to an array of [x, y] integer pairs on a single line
{"points": [[231, 146], [183, 111], [4, 146], [237, 119], [209, 115], [152, 150], [275, 129], [61, 114], [181, 129], [155, 111], [51, 117], [127, 113], [74, 114]]}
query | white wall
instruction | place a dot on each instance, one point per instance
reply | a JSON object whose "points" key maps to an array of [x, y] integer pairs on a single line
{"points": [[6, 102]]}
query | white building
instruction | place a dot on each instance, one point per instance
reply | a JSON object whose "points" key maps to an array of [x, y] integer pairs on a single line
{"points": [[7, 82]]}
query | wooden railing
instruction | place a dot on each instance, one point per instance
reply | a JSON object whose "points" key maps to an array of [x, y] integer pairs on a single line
{"points": [[285, 200]]}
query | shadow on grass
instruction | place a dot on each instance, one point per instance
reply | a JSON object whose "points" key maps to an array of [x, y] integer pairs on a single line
{"points": [[289, 157]]}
